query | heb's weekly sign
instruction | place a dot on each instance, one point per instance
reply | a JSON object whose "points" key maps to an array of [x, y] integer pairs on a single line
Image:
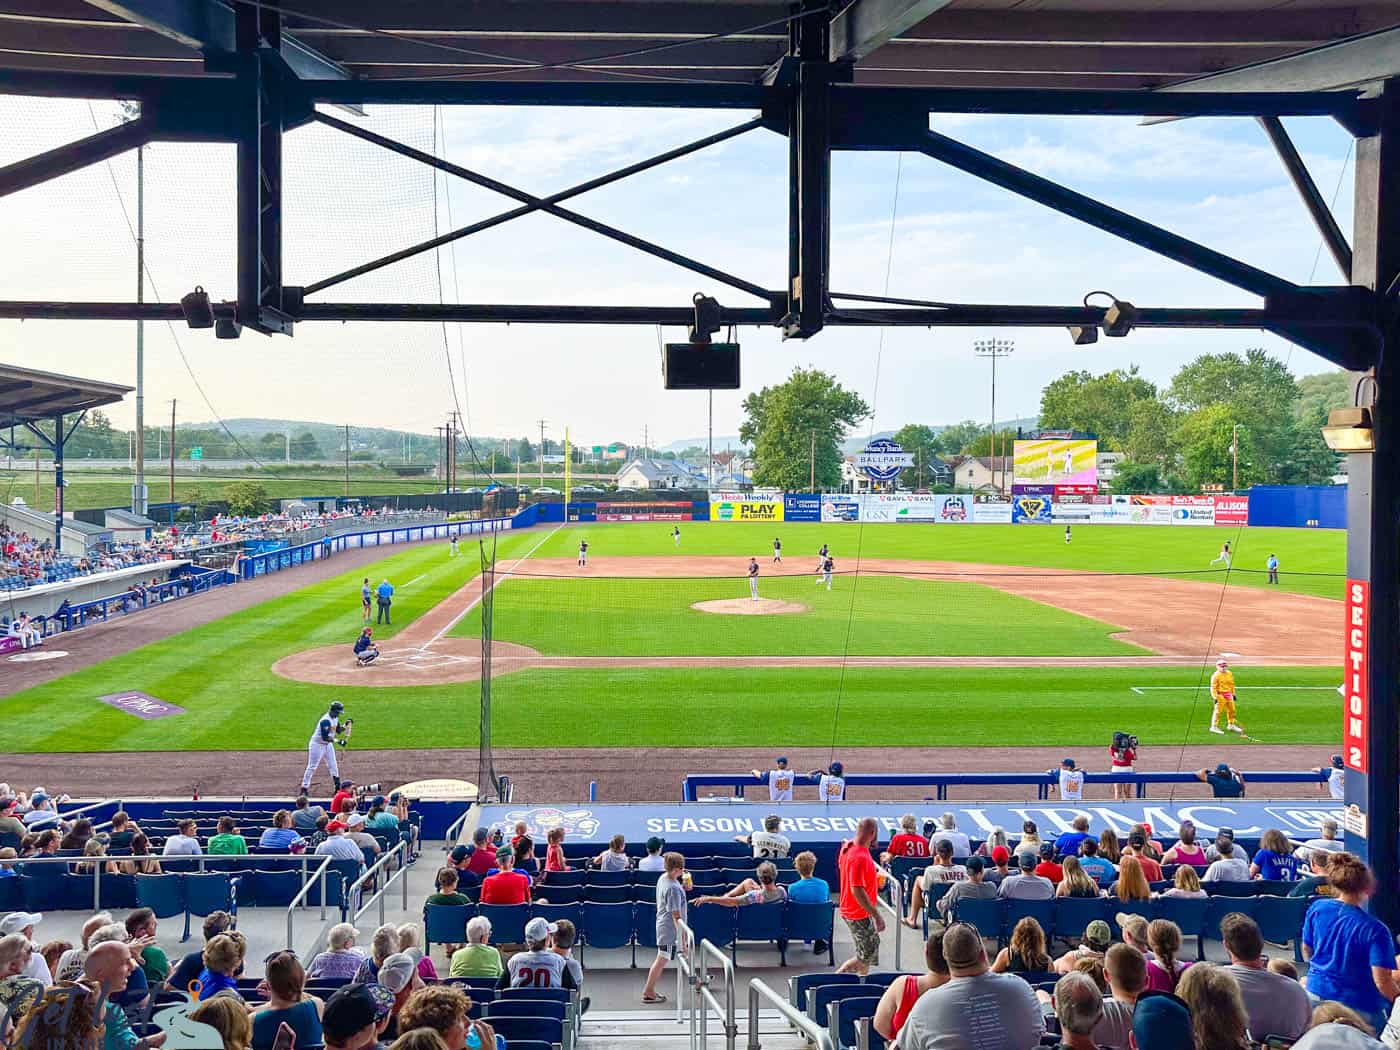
{"points": [[746, 510], [1355, 688]]}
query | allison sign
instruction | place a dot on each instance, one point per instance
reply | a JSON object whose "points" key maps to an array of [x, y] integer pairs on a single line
{"points": [[882, 460]]}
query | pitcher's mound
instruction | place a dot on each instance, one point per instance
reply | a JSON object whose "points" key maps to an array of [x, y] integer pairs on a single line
{"points": [[749, 607]]}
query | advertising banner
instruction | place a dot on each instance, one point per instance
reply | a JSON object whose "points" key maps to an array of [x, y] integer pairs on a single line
{"points": [[676, 511], [840, 508], [991, 513], [1031, 510], [1072, 513], [1355, 686], [746, 510], [1056, 461], [802, 507], [1231, 510], [1149, 510], [1193, 510], [1033, 490]]}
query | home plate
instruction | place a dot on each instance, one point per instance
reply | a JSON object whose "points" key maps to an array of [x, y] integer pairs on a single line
{"points": [[34, 658], [749, 607], [418, 659]]}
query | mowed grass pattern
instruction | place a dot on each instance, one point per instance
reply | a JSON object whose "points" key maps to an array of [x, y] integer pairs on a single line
{"points": [[1312, 561], [869, 616]]}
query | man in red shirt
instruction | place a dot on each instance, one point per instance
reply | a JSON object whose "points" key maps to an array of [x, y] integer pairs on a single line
{"points": [[1137, 847], [1047, 868], [346, 791], [480, 859], [508, 885], [908, 843], [860, 885]]}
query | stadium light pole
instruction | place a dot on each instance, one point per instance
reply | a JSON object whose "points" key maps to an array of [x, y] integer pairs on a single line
{"points": [[992, 349], [131, 110]]}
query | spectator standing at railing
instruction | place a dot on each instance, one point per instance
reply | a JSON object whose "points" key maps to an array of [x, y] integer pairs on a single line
{"points": [[859, 905]]}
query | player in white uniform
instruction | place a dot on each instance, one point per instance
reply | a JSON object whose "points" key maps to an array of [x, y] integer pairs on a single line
{"points": [[1224, 556], [779, 781], [321, 747], [1071, 781], [753, 578], [770, 843], [832, 785], [1069, 463], [452, 548], [676, 535], [828, 565]]}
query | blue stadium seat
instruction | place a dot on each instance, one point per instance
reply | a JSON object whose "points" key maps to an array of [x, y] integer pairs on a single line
{"points": [[842, 1015], [734, 876], [883, 978], [507, 922], [573, 877], [558, 894], [1230, 889], [608, 894], [714, 923], [989, 917], [1280, 920], [809, 921], [11, 896], [118, 891], [163, 894], [445, 924], [1073, 914], [593, 877], [472, 985], [646, 878], [514, 1028], [701, 863], [1272, 887], [1042, 912], [1143, 908], [1189, 913], [530, 1044], [906, 868], [516, 1007], [1219, 907], [820, 998], [554, 912], [553, 995], [208, 893], [610, 925], [761, 922], [800, 985], [270, 889]]}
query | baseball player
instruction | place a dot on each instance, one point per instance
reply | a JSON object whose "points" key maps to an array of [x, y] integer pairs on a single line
{"points": [[452, 548], [753, 578], [582, 553], [321, 747], [676, 535], [1067, 535], [824, 551], [1222, 691], [366, 600], [777, 551], [828, 564], [1069, 463], [366, 652], [1224, 555]]}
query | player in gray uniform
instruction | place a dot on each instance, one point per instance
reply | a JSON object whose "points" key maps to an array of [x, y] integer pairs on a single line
{"points": [[538, 966], [321, 747]]}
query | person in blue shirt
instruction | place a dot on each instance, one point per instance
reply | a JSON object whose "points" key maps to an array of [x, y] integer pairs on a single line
{"points": [[366, 652], [1350, 952], [385, 595], [808, 889], [280, 835], [1098, 868], [1272, 565], [1274, 859], [1067, 845]]}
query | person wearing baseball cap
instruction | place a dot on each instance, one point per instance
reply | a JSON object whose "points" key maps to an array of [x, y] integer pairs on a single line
{"points": [[831, 783], [653, 861], [779, 780], [24, 922], [1162, 1021], [11, 827], [356, 1016], [1001, 859], [537, 966], [1225, 781], [1097, 937]]}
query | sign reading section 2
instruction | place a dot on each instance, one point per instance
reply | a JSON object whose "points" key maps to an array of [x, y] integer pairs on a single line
{"points": [[1355, 690]]}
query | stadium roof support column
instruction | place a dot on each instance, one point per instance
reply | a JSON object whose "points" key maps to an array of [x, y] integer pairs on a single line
{"points": [[1373, 520], [809, 170]]}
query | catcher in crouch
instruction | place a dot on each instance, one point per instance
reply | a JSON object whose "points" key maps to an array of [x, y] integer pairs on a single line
{"points": [[1222, 691]]}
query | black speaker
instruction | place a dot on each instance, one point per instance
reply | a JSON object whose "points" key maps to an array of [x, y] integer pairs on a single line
{"points": [[701, 366]]}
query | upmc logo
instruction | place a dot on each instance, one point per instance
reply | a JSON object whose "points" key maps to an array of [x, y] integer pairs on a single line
{"points": [[1358, 629]]}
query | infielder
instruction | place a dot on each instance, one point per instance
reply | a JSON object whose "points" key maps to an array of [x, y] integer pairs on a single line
{"points": [[753, 578], [321, 747], [452, 548], [582, 553], [1222, 691], [777, 551], [1224, 556]]}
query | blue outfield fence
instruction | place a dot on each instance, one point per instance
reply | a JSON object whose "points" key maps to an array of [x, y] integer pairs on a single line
{"points": [[255, 565]]}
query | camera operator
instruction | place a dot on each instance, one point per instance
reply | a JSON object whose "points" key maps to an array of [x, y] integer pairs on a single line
{"points": [[1122, 755]]}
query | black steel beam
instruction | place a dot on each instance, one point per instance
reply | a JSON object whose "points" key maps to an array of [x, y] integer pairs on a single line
{"points": [[484, 92], [526, 209], [541, 204], [75, 155], [1334, 66], [1076, 205], [1321, 213], [863, 26], [809, 143]]}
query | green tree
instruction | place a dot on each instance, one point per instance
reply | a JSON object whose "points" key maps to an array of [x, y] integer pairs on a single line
{"points": [[1310, 461], [1255, 390], [269, 446], [954, 440], [922, 443], [246, 498], [305, 446], [796, 429], [1326, 390], [1204, 437], [1101, 405], [1137, 477], [982, 444], [1151, 429]]}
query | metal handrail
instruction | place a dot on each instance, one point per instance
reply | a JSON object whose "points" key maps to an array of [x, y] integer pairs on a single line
{"points": [[449, 837], [382, 862], [896, 909], [698, 995], [813, 1031], [301, 896]]}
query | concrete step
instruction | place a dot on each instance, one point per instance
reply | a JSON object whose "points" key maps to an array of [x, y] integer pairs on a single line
{"points": [[651, 1030]]}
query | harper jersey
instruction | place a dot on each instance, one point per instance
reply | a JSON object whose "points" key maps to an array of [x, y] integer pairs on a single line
{"points": [[543, 969]]}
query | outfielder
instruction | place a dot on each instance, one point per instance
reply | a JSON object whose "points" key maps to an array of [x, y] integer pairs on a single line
{"points": [[1224, 556], [753, 578], [777, 551], [321, 747], [452, 548], [1222, 691], [676, 535], [582, 553]]}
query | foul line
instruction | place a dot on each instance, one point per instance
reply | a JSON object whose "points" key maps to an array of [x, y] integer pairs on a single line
{"points": [[411, 582], [1140, 689], [475, 601]]}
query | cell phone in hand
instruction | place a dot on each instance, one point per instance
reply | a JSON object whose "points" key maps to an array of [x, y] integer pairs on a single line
{"points": [[286, 1038]]}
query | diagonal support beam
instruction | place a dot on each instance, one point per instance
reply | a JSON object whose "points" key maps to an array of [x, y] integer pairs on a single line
{"points": [[525, 209], [864, 26], [540, 204], [1119, 223], [61, 160], [1318, 208]]}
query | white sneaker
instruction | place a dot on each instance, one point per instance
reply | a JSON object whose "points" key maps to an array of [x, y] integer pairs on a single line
{"points": [[1217, 729], [1234, 728]]}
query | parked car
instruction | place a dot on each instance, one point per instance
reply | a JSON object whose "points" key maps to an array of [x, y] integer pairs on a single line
{"points": [[587, 490], [545, 490]]}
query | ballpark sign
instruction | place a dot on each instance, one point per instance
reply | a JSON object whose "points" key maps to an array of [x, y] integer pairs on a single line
{"points": [[882, 460]]}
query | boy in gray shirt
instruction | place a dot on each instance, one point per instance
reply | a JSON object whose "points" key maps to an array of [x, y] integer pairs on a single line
{"points": [[670, 910]]}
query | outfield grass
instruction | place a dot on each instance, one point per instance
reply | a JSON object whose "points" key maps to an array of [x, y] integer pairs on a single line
{"points": [[1312, 561], [879, 616]]}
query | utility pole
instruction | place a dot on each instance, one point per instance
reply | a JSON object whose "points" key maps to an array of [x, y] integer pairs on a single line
{"points": [[710, 466], [812, 464], [347, 460], [138, 493], [993, 349], [172, 459], [288, 437], [542, 423], [1235, 457]]}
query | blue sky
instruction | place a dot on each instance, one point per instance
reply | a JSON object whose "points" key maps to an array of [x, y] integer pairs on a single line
{"points": [[1217, 181]]}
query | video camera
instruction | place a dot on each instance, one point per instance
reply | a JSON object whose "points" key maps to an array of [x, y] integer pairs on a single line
{"points": [[366, 791], [1124, 741]]}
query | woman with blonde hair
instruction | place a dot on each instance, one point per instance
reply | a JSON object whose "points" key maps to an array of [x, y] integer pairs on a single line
{"points": [[228, 1017], [1132, 884], [223, 957], [996, 837], [1186, 884], [65, 1018], [1076, 881], [1218, 1017], [1030, 839], [95, 848], [419, 1039], [1331, 1012], [1025, 953], [1108, 846]]}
